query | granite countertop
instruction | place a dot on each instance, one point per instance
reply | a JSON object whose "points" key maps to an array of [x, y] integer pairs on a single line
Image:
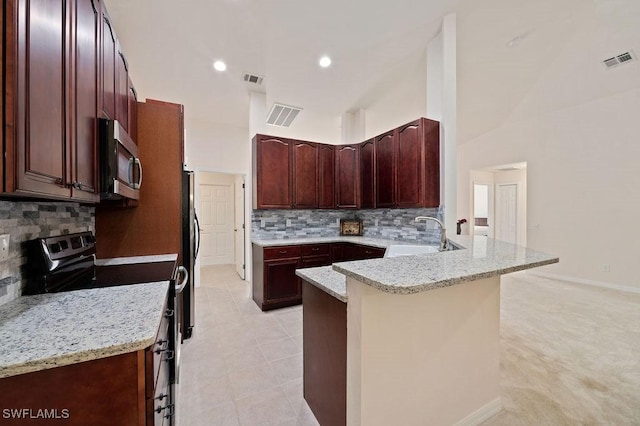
{"points": [[326, 279], [57, 329], [367, 241], [479, 258], [137, 259]]}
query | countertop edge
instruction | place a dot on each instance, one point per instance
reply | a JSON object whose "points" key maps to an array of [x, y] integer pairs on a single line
{"points": [[387, 288], [75, 358], [306, 277]]}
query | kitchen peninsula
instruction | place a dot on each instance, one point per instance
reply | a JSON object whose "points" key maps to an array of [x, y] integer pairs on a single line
{"points": [[409, 340]]}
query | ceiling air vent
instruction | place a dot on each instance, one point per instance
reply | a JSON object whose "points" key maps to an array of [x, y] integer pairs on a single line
{"points": [[253, 78], [282, 115], [620, 59]]}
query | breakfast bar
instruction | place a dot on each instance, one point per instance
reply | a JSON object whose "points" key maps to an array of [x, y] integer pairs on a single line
{"points": [[418, 335]]}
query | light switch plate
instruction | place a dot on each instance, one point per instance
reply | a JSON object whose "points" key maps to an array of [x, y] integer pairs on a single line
{"points": [[4, 246]]}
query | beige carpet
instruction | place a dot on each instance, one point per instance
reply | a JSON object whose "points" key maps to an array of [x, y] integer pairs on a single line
{"points": [[570, 354]]}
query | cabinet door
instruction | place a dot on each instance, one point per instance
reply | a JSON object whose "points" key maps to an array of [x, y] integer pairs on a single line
{"points": [[326, 170], [305, 175], [42, 102], [347, 176], [84, 156], [133, 112], [410, 170], [280, 280], [272, 174], [367, 196], [431, 134], [108, 77], [385, 170], [337, 252], [122, 89]]}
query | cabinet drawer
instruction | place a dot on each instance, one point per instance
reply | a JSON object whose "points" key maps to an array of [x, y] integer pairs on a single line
{"points": [[282, 252], [366, 252], [314, 261], [315, 249]]}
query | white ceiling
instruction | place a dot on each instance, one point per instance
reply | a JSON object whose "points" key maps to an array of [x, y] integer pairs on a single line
{"points": [[171, 45]]}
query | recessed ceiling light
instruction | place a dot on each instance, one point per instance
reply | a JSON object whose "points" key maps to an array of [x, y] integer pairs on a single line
{"points": [[325, 61], [219, 66]]}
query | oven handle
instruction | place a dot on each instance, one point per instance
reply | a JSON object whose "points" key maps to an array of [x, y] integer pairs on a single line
{"points": [[183, 283]]}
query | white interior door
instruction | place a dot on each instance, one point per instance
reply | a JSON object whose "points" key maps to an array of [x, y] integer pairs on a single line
{"points": [[507, 212], [216, 216], [239, 227]]}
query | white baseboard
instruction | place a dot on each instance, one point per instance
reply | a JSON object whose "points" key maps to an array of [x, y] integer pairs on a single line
{"points": [[585, 281], [483, 413]]}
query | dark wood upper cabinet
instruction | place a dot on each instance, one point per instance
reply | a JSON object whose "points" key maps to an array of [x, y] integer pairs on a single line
{"points": [[272, 172], [50, 98], [367, 178], [326, 172], [400, 168], [84, 158], [133, 111], [305, 175], [431, 133], [410, 171], [39, 81], [108, 69], [347, 176], [385, 167], [122, 89], [57, 82]]}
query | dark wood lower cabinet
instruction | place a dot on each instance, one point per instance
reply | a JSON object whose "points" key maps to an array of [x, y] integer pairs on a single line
{"points": [[324, 322], [275, 283]]}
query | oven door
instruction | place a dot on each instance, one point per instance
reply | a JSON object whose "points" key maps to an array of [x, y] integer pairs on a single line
{"points": [[120, 169]]}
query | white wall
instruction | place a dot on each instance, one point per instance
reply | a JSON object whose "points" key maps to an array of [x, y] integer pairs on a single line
{"points": [[401, 100], [577, 128], [217, 147], [583, 178]]}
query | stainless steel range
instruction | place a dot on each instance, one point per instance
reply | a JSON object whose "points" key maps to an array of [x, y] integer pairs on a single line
{"points": [[68, 263]]}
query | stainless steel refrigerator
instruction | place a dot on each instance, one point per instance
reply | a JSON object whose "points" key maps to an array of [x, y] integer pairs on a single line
{"points": [[190, 246]]}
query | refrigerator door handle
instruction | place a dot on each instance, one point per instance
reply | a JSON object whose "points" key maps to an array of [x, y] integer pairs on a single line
{"points": [[198, 234], [185, 279]]}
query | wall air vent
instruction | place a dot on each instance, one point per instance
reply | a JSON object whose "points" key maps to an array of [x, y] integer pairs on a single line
{"points": [[620, 59], [282, 115], [253, 78]]}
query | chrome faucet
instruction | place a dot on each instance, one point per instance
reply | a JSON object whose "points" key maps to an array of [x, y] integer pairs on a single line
{"points": [[443, 231]]}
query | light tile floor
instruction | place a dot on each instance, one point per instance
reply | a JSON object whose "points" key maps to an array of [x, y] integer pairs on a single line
{"points": [[242, 366]]}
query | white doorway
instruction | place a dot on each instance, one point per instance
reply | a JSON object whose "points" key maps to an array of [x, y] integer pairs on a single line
{"points": [[507, 212], [482, 209], [239, 228], [220, 209]]}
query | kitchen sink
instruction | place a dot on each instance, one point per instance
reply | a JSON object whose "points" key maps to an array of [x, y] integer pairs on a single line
{"points": [[409, 250]]}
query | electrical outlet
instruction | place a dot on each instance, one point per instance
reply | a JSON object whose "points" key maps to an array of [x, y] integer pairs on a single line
{"points": [[4, 247], [288, 223], [606, 268]]}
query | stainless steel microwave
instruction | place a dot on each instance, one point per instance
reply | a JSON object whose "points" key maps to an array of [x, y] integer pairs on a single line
{"points": [[120, 167]]}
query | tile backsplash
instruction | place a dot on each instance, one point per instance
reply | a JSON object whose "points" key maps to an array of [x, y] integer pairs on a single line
{"points": [[25, 221], [396, 224]]}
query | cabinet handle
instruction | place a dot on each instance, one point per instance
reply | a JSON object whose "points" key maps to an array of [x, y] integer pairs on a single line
{"points": [[283, 251], [168, 313], [166, 407], [368, 252], [161, 396], [315, 249]]}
